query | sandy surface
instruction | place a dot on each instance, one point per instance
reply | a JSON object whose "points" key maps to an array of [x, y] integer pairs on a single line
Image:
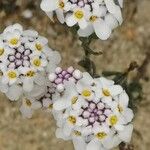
{"points": [[124, 46]]}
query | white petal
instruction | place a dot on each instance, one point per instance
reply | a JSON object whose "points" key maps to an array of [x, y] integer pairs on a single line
{"points": [[40, 79], [67, 129], [48, 5], [94, 145], [3, 88], [26, 112], [79, 143], [102, 30], [36, 105], [59, 134], [28, 84], [128, 114], [14, 92], [82, 23], [115, 90], [106, 82], [37, 91], [124, 99], [111, 21], [86, 31], [71, 21], [120, 3], [60, 15], [126, 134], [114, 9], [61, 104]]}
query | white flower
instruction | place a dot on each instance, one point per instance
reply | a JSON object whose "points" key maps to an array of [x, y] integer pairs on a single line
{"points": [[10, 77], [14, 92], [78, 16], [12, 28], [12, 35], [120, 106], [39, 63], [89, 117], [25, 60], [99, 16], [58, 5], [4, 51], [28, 106], [38, 46], [106, 89]]}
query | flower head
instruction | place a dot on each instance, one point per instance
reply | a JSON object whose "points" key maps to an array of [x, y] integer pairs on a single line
{"points": [[99, 16], [92, 113], [25, 59]]}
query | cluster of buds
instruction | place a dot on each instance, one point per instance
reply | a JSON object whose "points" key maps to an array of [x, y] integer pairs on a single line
{"points": [[94, 113], [59, 77], [25, 60], [99, 16]]}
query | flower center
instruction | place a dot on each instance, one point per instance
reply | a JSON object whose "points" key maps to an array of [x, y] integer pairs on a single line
{"points": [[79, 14], [12, 74], [120, 108], [38, 47], [1, 51], [61, 4], [14, 41], [50, 106], [37, 62], [30, 74], [77, 133], [93, 18], [113, 120], [28, 103], [101, 135], [72, 120], [86, 93], [74, 100], [106, 92]]}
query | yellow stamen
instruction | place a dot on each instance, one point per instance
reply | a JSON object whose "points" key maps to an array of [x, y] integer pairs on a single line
{"points": [[77, 133], [113, 120], [74, 100], [38, 47], [79, 14], [14, 41], [50, 106], [72, 120], [37, 62], [101, 135], [30, 73], [93, 18], [1, 51], [106, 92], [86, 93], [120, 109], [61, 4], [28, 103], [12, 74]]}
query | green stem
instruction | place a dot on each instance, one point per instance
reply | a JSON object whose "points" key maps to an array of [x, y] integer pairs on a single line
{"points": [[86, 62]]}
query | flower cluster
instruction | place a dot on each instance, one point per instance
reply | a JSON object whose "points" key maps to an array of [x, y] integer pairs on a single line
{"points": [[46, 99], [94, 113], [99, 16], [25, 59]]}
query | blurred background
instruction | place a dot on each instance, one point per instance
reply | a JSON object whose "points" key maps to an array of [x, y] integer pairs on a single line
{"points": [[128, 43]]}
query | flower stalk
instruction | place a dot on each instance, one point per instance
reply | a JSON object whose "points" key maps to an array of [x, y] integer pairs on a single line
{"points": [[86, 62]]}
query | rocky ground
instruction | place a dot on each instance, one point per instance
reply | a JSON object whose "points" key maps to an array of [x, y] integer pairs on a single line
{"points": [[128, 43]]}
